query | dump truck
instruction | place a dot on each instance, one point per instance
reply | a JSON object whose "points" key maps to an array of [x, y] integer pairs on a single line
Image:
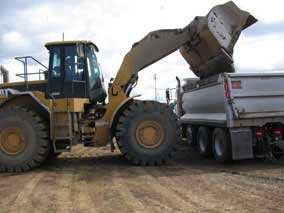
{"points": [[234, 116], [229, 115], [41, 118]]}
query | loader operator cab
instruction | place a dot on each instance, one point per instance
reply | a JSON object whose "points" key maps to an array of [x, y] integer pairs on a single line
{"points": [[74, 72]]}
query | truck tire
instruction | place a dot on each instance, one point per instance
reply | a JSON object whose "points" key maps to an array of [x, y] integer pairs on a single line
{"points": [[203, 141], [191, 135], [222, 146], [147, 133], [24, 140]]}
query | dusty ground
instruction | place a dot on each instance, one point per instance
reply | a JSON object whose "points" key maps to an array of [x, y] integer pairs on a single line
{"points": [[95, 180]]}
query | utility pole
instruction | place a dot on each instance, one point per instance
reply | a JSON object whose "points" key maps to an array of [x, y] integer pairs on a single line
{"points": [[63, 36], [155, 78]]}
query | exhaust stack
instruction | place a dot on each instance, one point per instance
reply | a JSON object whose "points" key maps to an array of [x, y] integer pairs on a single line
{"points": [[4, 74]]}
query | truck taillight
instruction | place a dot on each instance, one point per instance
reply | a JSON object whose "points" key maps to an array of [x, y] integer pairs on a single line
{"points": [[277, 132], [227, 90], [258, 133]]}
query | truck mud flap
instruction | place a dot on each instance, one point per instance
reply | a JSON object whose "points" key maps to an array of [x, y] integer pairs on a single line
{"points": [[242, 147]]}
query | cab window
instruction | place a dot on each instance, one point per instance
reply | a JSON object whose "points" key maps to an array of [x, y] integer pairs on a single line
{"points": [[73, 64], [94, 72], [56, 62]]}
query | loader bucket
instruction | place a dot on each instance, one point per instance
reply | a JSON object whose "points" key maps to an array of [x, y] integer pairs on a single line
{"points": [[213, 37]]}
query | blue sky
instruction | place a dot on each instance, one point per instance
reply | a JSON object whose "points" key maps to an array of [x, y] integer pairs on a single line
{"points": [[25, 25]]}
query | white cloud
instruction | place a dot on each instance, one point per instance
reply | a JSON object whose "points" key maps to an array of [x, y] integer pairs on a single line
{"points": [[260, 52], [15, 39]]}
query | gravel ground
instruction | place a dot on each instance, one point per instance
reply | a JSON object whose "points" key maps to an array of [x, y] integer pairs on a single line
{"points": [[96, 180]]}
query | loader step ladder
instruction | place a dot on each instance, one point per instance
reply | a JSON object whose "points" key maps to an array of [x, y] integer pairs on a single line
{"points": [[62, 130]]}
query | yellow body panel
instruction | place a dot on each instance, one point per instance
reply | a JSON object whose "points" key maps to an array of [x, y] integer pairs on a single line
{"points": [[72, 104], [63, 104], [71, 42], [22, 83], [102, 131], [2, 98], [68, 42]]}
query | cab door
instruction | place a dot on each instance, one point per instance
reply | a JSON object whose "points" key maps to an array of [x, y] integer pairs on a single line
{"points": [[55, 85], [75, 72], [67, 72]]}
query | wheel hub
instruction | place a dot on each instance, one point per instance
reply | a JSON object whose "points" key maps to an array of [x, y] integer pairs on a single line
{"points": [[12, 141], [150, 134]]}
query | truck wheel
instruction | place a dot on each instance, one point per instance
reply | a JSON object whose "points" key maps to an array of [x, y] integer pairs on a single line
{"points": [[191, 135], [221, 145], [204, 141], [147, 133], [23, 140]]}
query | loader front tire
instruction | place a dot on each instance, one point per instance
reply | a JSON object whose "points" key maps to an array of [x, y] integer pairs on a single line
{"points": [[24, 140], [147, 133]]}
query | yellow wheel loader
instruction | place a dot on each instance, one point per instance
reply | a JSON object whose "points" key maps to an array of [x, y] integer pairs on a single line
{"points": [[41, 118]]}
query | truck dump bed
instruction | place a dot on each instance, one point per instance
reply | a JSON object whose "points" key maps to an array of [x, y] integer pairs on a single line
{"points": [[257, 95], [234, 99]]}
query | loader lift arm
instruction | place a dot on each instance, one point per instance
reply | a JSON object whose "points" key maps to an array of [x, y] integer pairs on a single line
{"points": [[206, 43], [153, 47]]}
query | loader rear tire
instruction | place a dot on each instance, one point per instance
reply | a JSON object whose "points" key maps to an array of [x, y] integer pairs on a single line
{"points": [[147, 133], [24, 140]]}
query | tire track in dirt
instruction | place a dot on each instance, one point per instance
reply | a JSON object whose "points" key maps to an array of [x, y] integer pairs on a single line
{"points": [[110, 198], [266, 194], [23, 201], [224, 191], [63, 193], [257, 193], [204, 191], [121, 184], [44, 196], [186, 191], [158, 195], [260, 178], [97, 182], [80, 193], [9, 185]]}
